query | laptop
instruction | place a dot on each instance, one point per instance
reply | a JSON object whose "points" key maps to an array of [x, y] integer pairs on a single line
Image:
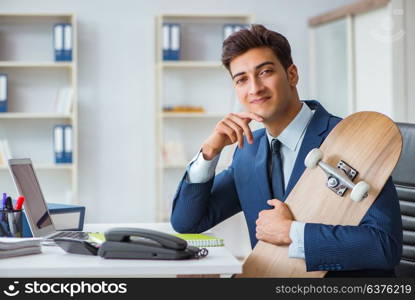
{"points": [[36, 210]]}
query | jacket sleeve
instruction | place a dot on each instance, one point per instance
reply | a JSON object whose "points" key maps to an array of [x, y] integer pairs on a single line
{"points": [[199, 206], [376, 243]]}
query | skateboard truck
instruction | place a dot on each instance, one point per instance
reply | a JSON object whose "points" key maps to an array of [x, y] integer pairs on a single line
{"points": [[340, 178]]}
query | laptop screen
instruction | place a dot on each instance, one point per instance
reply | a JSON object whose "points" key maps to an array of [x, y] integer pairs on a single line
{"points": [[28, 186]]}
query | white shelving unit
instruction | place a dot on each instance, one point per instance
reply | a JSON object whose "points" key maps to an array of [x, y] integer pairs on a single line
{"points": [[197, 79], [27, 56]]}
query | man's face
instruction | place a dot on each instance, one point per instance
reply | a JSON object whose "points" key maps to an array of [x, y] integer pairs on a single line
{"points": [[261, 83]]}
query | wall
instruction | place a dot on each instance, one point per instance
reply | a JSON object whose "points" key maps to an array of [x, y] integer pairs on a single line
{"points": [[410, 49], [116, 88]]}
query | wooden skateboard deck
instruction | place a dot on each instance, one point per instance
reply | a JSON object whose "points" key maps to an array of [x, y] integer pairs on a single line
{"points": [[370, 143]]}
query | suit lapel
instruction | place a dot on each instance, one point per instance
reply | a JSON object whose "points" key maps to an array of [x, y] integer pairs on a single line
{"points": [[261, 167], [313, 138]]}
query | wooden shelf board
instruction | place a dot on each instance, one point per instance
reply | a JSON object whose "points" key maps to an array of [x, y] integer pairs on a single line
{"points": [[191, 64], [46, 167], [34, 64], [174, 115], [34, 116]]}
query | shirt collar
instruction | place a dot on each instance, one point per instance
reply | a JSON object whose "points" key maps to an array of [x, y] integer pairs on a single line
{"points": [[291, 135]]}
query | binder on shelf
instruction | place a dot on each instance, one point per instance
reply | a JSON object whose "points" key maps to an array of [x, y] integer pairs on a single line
{"points": [[64, 100], [62, 37], [58, 143], [175, 42], [171, 41], [64, 217], [3, 92], [58, 42], [67, 144], [67, 42], [229, 29], [166, 41]]}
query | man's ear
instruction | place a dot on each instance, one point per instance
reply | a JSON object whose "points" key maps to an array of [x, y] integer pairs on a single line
{"points": [[292, 74]]}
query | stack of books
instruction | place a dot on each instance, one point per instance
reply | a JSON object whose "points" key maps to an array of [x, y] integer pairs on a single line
{"points": [[10, 247], [183, 109]]}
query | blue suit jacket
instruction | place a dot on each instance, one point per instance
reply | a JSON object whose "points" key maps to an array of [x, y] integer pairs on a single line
{"points": [[374, 247]]}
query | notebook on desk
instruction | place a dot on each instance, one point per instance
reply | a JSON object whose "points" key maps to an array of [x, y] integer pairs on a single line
{"points": [[37, 213]]}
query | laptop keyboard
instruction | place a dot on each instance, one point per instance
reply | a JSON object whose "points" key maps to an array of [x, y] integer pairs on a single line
{"points": [[72, 234]]}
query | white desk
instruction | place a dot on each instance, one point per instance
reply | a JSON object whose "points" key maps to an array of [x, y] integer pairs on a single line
{"points": [[54, 262]]}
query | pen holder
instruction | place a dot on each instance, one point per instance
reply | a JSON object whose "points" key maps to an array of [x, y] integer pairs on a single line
{"points": [[11, 223]]}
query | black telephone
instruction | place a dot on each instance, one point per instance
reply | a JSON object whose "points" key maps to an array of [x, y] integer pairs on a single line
{"points": [[138, 243]]}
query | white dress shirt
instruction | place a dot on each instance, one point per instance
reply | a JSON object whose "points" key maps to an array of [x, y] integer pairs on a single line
{"points": [[200, 170]]}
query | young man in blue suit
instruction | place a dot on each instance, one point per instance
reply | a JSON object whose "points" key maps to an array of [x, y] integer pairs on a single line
{"points": [[268, 162]]}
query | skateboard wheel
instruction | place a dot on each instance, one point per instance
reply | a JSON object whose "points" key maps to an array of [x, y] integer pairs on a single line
{"points": [[359, 191], [313, 158]]}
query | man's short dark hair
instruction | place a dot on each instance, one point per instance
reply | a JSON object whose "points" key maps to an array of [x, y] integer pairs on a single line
{"points": [[256, 36]]}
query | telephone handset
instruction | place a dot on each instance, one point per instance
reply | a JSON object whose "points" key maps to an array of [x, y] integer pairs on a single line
{"points": [[138, 243]]}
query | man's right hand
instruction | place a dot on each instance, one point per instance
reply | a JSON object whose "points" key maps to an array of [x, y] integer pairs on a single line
{"points": [[228, 131]]}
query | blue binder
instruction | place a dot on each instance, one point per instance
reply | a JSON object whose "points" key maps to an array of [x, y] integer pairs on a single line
{"points": [[55, 209], [175, 42], [166, 41], [3, 92], [171, 41], [67, 42], [67, 144], [58, 143], [58, 39]]}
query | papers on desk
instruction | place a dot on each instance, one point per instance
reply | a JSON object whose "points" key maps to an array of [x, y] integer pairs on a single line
{"points": [[10, 247]]}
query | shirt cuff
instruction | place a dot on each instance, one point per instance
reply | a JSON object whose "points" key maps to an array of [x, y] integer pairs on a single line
{"points": [[296, 248], [200, 170]]}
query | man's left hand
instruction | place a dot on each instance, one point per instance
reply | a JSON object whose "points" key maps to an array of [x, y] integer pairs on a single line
{"points": [[273, 225]]}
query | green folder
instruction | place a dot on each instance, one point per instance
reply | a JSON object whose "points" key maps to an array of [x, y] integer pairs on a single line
{"points": [[201, 240]]}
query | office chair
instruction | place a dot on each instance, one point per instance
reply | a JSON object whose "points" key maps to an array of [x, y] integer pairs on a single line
{"points": [[404, 180]]}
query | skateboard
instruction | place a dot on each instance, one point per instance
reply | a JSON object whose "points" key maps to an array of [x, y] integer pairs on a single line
{"points": [[341, 181]]}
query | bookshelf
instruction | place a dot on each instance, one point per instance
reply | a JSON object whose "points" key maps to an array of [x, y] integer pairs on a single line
{"points": [[197, 79], [34, 78]]}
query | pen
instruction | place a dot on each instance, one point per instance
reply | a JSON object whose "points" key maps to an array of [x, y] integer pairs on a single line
{"points": [[19, 203], [10, 216], [4, 200], [3, 216], [18, 214], [3, 207], [9, 204]]}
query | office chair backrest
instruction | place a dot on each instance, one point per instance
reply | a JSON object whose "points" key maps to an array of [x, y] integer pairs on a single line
{"points": [[404, 179]]}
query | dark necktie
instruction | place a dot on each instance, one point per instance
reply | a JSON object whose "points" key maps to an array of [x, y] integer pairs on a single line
{"points": [[277, 173]]}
